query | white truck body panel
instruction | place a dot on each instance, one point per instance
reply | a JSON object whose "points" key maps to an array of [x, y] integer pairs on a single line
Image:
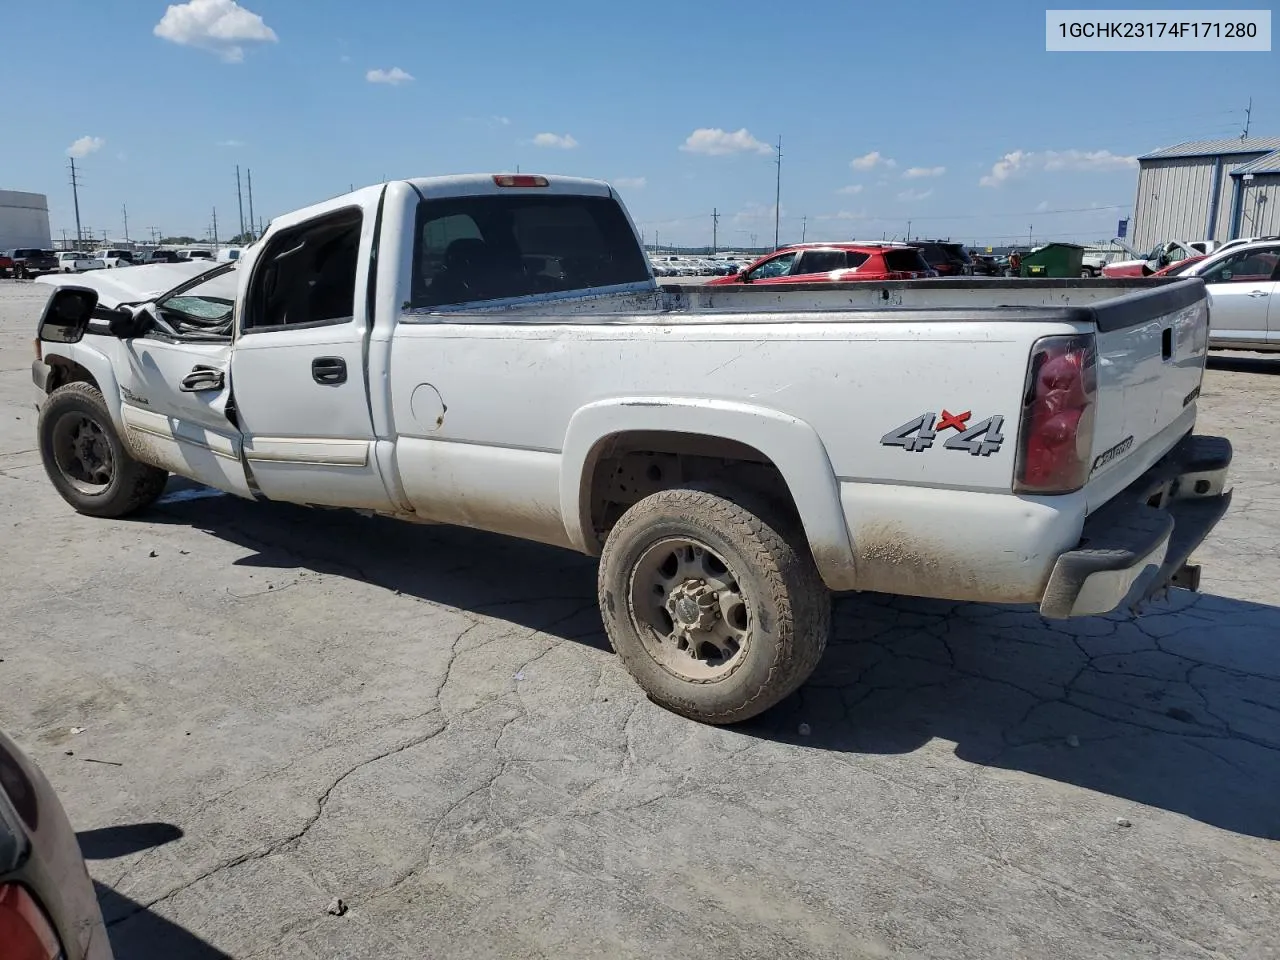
{"points": [[494, 415]]}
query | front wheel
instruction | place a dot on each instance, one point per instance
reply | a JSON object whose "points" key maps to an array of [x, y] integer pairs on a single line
{"points": [[714, 612], [86, 460]]}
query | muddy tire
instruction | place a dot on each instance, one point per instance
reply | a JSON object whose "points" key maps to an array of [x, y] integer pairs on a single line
{"points": [[86, 460], [716, 613]]}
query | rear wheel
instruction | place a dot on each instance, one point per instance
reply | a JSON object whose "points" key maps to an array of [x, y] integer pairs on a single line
{"points": [[86, 460], [715, 612]]}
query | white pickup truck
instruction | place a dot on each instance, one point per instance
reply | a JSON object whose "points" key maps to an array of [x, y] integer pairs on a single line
{"points": [[493, 351], [74, 261]]}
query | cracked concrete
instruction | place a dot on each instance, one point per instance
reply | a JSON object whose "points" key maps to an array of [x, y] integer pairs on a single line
{"points": [[427, 722]]}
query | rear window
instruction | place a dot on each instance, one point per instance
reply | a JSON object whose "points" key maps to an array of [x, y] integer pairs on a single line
{"points": [[904, 260], [470, 249], [856, 259], [821, 261]]}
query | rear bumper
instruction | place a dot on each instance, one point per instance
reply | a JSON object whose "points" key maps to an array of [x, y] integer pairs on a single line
{"points": [[1134, 546]]}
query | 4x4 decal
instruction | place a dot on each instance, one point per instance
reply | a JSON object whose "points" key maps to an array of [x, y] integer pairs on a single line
{"points": [[918, 435]]}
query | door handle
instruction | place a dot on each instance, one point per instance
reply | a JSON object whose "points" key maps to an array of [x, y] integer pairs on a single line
{"points": [[329, 370], [202, 378], [1258, 293]]}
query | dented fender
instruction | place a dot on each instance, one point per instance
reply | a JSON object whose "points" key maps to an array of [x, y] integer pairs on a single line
{"points": [[99, 366], [792, 444]]}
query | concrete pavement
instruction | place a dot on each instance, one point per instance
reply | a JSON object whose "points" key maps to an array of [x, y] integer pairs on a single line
{"points": [[284, 706]]}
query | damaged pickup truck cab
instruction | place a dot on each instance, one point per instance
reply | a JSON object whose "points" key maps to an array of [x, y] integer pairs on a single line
{"points": [[493, 351]]}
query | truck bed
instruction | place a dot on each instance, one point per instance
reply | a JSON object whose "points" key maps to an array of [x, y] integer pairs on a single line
{"points": [[1108, 304]]}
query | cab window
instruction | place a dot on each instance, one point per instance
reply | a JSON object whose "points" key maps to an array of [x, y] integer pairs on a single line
{"points": [[307, 275], [822, 261], [1247, 266], [779, 266]]}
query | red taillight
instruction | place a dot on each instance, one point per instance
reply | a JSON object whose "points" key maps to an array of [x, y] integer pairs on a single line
{"points": [[1057, 415], [520, 180], [25, 933]]}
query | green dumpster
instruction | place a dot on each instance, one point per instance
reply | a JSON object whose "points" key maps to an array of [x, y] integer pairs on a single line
{"points": [[1053, 260]]}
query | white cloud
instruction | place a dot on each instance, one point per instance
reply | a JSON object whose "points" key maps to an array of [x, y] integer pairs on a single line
{"points": [[85, 146], [231, 143], [851, 189], [915, 173], [395, 76], [714, 142], [555, 141], [844, 215], [1020, 162], [869, 161], [500, 121], [912, 195], [344, 59], [631, 183], [1087, 160], [756, 211], [1042, 206], [219, 26]]}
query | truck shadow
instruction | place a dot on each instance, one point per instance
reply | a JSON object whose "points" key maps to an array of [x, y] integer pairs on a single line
{"points": [[137, 933], [1179, 709]]}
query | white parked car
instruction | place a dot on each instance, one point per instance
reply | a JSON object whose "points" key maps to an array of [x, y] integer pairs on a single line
{"points": [[113, 258], [76, 261], [1243, 284], [732, 454], [196, 254]]}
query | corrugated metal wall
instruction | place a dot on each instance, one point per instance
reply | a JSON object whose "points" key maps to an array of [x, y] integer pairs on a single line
{"points": [[1260, 218], [1173, 201], [24, 220]]}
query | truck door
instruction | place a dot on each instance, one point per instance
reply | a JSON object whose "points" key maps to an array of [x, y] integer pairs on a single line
{"points": [[298, 371], [173, 383]]}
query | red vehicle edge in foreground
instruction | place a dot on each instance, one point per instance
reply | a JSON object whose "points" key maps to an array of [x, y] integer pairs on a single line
{"points": [[834, 262]]}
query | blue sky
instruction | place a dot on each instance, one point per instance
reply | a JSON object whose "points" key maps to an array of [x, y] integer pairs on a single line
{"points": [[957, 118]]}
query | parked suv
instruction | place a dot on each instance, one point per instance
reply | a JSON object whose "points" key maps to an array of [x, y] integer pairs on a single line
{"points": [[33, 262], [839, 262], [949, 259]]}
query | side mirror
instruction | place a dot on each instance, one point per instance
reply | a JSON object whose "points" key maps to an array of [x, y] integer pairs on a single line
{"points": [[126, 324], [742, 276], [67, 315]]}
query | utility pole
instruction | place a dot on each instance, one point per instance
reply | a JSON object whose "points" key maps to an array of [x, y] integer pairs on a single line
{"points": [[215, 229], [804, 228], [656, 248], [777, 194], [908, 231], [249, 173], [75, 193], [1029, 229], [715, 229], [240, 200], [1248, 114]]}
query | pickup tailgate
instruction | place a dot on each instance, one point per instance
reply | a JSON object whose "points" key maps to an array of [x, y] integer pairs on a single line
{"points": [[1151, 356]]}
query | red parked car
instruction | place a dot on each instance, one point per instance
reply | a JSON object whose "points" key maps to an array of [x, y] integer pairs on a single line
{"points": [[1175, 269], [838, 262]]}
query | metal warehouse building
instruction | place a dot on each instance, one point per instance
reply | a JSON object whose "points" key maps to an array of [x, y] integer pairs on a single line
{"points": [[24, 220], [1208, 190]]}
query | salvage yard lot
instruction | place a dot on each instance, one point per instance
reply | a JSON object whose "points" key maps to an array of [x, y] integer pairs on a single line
{"points": [[279, 706]]}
